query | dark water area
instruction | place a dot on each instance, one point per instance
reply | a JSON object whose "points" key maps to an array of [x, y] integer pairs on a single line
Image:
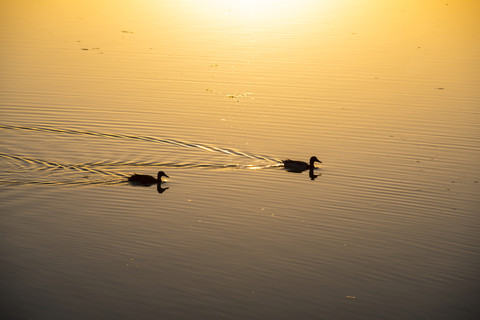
{"points": [[217, 94]]}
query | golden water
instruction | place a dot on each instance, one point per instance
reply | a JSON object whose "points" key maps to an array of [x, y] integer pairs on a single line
{"points": [[216, 94]]}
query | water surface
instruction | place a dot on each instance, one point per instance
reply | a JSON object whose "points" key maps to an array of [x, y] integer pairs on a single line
{"points": [[216, 94]]}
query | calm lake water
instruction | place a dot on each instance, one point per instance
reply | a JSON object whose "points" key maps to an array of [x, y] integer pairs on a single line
{"points": [[216, 93]]}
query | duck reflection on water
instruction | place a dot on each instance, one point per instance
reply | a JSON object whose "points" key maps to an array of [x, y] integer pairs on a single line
{"points": [[312, 175], [160, 189]]}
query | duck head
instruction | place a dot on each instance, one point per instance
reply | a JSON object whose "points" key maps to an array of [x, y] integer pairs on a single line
{"points": [[160, 175], [313, 160]]}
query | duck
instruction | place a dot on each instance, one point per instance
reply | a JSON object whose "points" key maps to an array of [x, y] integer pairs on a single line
{"points": [[146, 180], [299, 166]]}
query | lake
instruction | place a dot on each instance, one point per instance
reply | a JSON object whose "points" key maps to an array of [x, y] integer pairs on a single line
{"points": [[216, 94]]}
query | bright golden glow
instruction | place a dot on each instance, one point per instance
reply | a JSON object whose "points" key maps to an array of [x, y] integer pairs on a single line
{"points": [[246, 7], [250, 8], [256, 12]]}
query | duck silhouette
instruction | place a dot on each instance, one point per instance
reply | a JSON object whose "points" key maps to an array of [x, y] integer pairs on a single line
{"points": [[299, 166], [146, 180]]}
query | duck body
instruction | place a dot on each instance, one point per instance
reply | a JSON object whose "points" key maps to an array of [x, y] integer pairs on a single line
{"points": [[299, 166], [146, 180]]}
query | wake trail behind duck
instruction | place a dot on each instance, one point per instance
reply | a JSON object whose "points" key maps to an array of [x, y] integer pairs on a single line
{"points": [[52, 164], [175, 165], [107, 175], [175, 142]]}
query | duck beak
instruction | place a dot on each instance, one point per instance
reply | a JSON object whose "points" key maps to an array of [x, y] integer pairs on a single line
{"points": [[166, 176]]}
